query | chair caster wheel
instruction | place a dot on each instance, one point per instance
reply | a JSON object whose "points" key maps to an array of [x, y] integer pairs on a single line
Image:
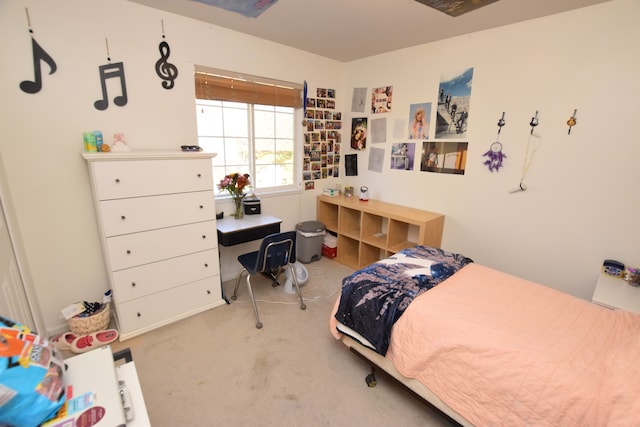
{"points": [[303, 306], [371, 380], [259, 325], [234, 297]]}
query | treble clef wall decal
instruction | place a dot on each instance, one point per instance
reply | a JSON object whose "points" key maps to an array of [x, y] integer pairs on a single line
{"points": [[165, 70], [39, 54]]}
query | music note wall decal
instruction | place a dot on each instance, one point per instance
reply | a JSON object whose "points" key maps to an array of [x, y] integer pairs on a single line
{"points": [[109, 71], [165, 70], [39, 54]]}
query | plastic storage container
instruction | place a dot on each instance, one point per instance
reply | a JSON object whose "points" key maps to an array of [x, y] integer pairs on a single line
{"points": [[330, 246], [309, 238]]}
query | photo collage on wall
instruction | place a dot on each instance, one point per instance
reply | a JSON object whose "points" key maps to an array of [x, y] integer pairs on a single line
{"points": [[322, 138], [413, 147]]}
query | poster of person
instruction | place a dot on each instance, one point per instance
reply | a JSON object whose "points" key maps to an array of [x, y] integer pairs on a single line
{"points": [[381, 99], [453, 104], [444, 157], [359, 133], [402, 155], [419, 116]]}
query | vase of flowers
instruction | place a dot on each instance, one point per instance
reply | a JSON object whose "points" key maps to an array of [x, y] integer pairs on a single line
{"points": [[234, 183]]}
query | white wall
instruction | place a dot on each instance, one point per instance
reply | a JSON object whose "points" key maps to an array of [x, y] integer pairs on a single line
{"points": [[42, 132], [579, 209], [582, 203]]}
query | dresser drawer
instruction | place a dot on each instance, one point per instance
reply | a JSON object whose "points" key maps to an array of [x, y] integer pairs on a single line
{"points": [[122, 216], [137, 282], [135, 249], [169, 306], [132, 178]]}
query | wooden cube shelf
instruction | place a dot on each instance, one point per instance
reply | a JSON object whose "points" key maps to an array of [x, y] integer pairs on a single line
{"points": [[371, 230]]}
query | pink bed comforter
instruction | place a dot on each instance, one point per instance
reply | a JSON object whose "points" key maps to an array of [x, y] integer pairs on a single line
{"points": [[503, 351]]}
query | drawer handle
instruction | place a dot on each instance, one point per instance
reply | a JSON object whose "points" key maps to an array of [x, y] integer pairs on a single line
{"points": [[133, 284], [199, 175], [204, 236], [201, 207], [128, 252], [117, 180], [208, 292], [206, 265], [122, 217], [139, 314]]}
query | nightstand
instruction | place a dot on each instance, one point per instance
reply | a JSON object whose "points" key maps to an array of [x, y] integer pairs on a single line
{"points": [[614, 292]]}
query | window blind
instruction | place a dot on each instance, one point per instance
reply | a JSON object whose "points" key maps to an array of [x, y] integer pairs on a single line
{"points": [[222, 85]]}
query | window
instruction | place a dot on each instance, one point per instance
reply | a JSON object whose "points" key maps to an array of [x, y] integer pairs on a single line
{"points": [[250, 123]]}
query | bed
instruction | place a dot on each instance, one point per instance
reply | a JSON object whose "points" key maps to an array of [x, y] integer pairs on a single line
{"points": [[490, 349]]}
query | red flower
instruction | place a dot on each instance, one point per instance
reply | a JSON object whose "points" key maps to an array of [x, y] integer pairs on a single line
{"points": [[234, 183]]}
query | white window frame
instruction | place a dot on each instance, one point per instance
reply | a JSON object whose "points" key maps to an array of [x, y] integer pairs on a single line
{"points": [[296, 186]]}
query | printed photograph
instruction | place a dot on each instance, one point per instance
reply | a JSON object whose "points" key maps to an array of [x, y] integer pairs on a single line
{"points": [[359, 133], [444, 157], [402, 155], [381, 99], [419, 116], [453, 104]]}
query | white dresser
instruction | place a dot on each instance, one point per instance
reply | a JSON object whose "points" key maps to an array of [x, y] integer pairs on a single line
{"points": [[157, 220]]}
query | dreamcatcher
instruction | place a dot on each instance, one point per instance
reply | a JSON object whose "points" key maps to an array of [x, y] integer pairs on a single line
{"points": [[495, 154]]}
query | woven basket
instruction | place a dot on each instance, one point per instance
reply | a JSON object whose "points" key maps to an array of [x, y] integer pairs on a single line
{"points": [[90, 324]]}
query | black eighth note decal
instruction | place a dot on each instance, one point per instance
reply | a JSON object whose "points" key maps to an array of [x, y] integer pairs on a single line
{"points": [[39, 54], [166, 71], [109, 71]]}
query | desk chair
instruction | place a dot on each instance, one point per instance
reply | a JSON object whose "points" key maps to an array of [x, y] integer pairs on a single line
{"points": [[276, 251]]}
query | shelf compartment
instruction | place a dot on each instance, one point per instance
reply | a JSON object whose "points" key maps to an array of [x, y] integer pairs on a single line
{"points": [[328, 215], [349, 222], [400, 246], [370, 254], [374, 229], [347, 251], [401, 235]]}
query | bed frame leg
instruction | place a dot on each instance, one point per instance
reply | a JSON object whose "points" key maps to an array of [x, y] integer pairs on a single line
{"points": [[371, 378]]}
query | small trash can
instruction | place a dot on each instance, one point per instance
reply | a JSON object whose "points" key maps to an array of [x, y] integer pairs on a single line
{"points": [[309, 238]]}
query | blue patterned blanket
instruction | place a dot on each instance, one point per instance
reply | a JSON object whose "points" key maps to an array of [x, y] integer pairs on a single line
{"points": [[374, 297]]}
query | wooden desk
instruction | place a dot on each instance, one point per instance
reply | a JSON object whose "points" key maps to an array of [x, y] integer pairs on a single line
{"points": [[233, 231]]}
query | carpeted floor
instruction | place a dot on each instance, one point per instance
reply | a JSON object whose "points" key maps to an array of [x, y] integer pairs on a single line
{"points": [[217, 369]]}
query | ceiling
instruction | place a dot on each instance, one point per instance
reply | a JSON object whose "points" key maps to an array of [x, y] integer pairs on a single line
{"points": [[346, 30]]}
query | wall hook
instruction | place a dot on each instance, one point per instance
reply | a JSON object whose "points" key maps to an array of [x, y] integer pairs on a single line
{"points": [[572, 121], [534, 122], [501, 123], [519, 188]]}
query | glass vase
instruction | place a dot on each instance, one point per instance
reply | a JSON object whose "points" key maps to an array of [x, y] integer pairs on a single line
{"points": [[239, 209]]}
